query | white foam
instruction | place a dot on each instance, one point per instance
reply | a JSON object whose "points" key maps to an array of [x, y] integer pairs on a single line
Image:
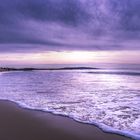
{"points": [[111, 102]]}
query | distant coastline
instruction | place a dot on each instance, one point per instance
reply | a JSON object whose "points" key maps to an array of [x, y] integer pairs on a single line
{"points": [[2, 69]]}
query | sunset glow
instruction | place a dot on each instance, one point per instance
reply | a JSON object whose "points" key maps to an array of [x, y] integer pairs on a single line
{"points": [[71, 57]]}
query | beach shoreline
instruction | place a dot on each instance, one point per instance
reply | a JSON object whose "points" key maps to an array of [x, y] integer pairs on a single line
{"points": [[24, 124]]}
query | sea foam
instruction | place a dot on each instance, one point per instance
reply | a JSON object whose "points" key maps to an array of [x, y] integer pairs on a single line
{"points": [[109, 101]]}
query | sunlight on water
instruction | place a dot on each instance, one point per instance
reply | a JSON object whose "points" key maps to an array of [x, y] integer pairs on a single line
{"points": [[108, 100]]}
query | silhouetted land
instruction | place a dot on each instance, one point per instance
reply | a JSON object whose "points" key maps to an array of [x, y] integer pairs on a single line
{"points": [[30, 69]]}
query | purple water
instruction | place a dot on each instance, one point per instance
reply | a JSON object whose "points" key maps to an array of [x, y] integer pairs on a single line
{"points": [[108, 99]]}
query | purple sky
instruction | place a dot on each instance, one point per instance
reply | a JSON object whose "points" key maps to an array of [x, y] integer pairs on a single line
{"points": [[33, 28]]}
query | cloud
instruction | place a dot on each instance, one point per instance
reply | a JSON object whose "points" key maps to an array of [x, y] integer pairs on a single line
{"points": [[68, 12], [43, 25]]}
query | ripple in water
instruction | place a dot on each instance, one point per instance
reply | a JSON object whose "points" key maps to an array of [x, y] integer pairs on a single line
{"points": [[111, 101]]}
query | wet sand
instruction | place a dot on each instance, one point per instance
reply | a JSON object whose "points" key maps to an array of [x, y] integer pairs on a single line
{"points": [[17, 123]]}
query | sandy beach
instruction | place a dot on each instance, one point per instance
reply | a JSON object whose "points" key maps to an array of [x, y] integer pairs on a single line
{"points": [[17, 123]]}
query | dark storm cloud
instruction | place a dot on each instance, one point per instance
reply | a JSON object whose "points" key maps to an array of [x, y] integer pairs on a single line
{"points": [[64, 11], [69, 12], [69, 25], [130, 14]]}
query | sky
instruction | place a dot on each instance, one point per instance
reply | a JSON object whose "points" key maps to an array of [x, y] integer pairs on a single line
{"points": [[69, 32]]}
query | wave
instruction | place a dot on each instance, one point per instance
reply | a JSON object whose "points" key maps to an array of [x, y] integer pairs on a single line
{"points": [[103, 127], [115, 73], [87, 98]]}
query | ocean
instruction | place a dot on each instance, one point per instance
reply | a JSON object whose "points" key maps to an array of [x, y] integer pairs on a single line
{"points": [[109, 99]]}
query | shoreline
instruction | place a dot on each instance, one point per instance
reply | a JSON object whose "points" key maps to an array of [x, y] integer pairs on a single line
{"points": [[26, 124]]}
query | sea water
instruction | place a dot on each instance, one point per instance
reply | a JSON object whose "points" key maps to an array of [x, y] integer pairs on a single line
{"points": [[109, 99]]}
